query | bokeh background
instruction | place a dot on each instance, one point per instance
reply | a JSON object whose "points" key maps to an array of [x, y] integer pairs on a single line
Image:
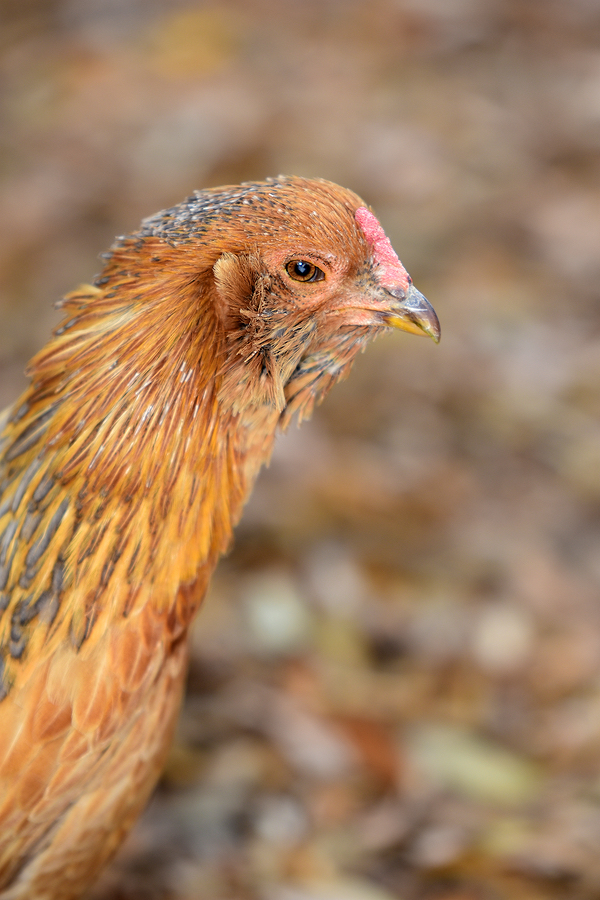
{"points": [[395, 685]]}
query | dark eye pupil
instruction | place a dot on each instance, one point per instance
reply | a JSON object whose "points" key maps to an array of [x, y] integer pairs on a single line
{"points": [[302, 268]]}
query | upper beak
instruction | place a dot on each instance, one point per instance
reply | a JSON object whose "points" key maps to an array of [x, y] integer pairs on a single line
{"points": [[412, 312]]}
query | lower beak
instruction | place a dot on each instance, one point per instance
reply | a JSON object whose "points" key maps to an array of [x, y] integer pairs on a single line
{"points": [[413, 313]]}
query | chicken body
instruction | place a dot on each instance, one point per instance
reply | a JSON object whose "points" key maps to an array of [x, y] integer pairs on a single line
{"points": [[123, 469]]}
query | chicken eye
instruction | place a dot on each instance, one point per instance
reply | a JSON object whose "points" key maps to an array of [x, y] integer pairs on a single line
{"points": [[302, 270]]}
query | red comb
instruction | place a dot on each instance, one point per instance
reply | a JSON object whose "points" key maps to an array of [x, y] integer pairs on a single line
{"points": [[392, 271]]}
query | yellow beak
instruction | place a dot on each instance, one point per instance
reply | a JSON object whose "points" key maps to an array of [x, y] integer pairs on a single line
{"points": [[413, 313]]}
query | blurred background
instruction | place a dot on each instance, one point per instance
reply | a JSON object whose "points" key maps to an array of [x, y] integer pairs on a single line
{"points": [[395, 685]]}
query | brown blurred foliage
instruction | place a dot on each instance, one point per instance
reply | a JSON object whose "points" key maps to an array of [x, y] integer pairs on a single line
{"points": [[395, 690]]}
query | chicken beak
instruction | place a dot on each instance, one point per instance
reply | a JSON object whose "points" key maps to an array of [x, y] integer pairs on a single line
{"points": [[412, 312]]}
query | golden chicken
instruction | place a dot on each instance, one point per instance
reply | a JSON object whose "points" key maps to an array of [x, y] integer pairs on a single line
{"points": [[123, 469]]}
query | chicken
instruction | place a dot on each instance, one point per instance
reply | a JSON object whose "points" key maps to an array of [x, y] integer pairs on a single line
{"points": [[124, 467]]}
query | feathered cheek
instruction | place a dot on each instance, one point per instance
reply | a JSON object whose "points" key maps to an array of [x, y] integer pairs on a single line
{"points": [[252, 381], [275, 357], [269, 380]]}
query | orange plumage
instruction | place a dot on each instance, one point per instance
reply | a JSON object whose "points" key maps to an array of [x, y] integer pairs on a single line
{"points": [[123, 469]]}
